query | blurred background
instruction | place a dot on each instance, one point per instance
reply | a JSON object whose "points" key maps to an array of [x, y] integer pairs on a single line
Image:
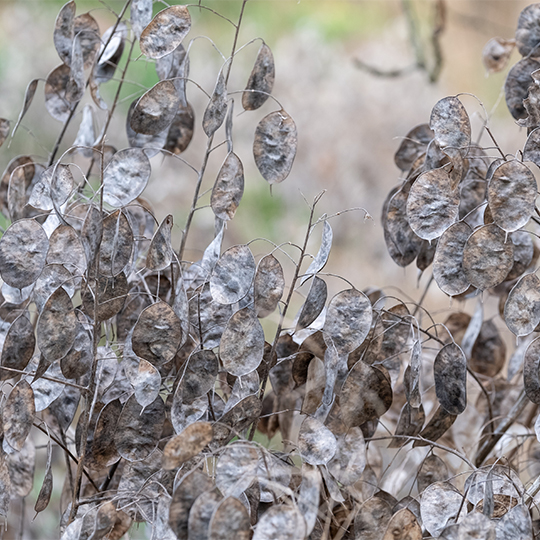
{"points": [[349, 120]]}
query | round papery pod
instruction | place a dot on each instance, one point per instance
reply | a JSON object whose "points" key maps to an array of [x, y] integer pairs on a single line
{"points": [[450, 373], [448, 261], [528, 31], [516, 86], [412, 146], [488, 257], [432, 205], [450, 124], [522, 308], [511, 195], [496, 53]]}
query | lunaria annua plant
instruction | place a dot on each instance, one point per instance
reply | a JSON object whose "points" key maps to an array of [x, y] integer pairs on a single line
{"points": [[151, 376]]}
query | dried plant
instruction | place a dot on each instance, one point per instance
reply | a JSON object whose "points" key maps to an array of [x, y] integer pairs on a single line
{"points": [[154, 376]]}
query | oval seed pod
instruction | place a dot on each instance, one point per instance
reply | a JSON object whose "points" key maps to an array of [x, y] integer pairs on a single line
{"points": [[160, 253], [450, 123], [531, 370], [448, 261], [488, 257], [527, 32], [274, 147], [261, 81], [229, 188], [512, 195], [314, 304], [165, 32], [450, 372], [496, 53], [268, 285], [516, 86], [18, 414], [216, 111], [432, 205], [56, 93], [116, 244], [522, 307]]}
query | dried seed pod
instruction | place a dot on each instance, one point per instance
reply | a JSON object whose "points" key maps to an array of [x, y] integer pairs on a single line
{"points": [[496, 53], [236, 468], [403, 525], [181, 130], [230, 519], [268, 285], [157, 334], [523, 253], [433, 204], [19, 345], [140, 15], [439, 424], [522, 307], [412, 146], [45, 492], [160, 253], [450, 124], [531, 369], [23, 252], [348, 320], [63, 32], [527, 32], [4, 130], [57, 326], [512, 195], [110, 292], [531, 150], [366, 395], [448, 261], [372, 518], [261, 80], [280, 521], [187, 444], [103, 450], [138, 431], [56, 98], [410, 423], [156, 109], [229, 188], [165, 32], [125, 177], [274, 147], [450, 372], [242, 343], [316, 443], [18, 414], [116, 244], [488, 354], [216, 110], [147, 382], [517, 85], [109, 56], [401, 241], [488, 257], [440, 503], [65, 247], [314, 304]]}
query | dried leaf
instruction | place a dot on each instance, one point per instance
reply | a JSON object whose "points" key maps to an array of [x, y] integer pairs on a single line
{"points": [[160, 253], [433, 204], [447, 264], [268, 285], [137, 432], [522, 308], [57, 326], [450, 124], [516, 87], [274, 147], [18, 414], [230, 520], [165, 32], [512, 195], [496, 53], [229, 188], [314, 304], [261, 80], [28, 97], [187, 444], [23, 251], [348, 320], [242, 343], [157, 334], [450, 372], [488, 257], [125, 177]]}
